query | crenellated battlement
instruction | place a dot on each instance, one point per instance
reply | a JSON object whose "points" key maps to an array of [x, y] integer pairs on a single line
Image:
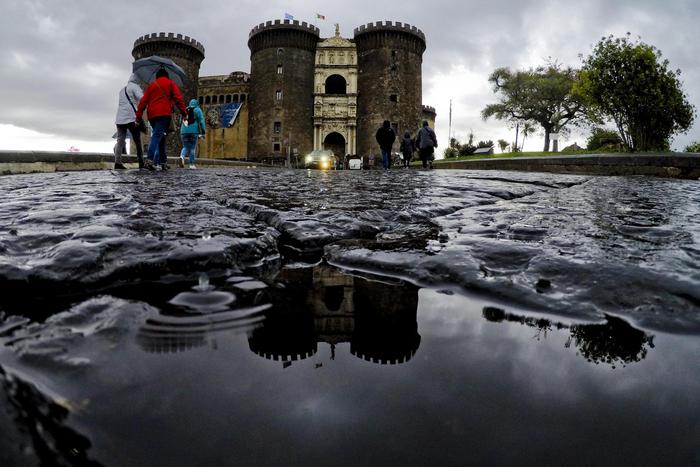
{"points": [[428, 109], [284, 24], [384, 26], [169, 37]]}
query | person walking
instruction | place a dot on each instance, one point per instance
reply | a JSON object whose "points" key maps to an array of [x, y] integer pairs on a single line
{"points": [[126, 121], [386, 137], [426, 142], [159, 101], [407, 148], [192, 129]]}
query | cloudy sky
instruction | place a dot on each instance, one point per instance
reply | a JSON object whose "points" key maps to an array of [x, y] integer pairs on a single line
{"points": [[63, 62]]}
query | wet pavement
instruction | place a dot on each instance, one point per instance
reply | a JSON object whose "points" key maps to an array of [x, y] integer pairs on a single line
{"points": [[267, 317]]}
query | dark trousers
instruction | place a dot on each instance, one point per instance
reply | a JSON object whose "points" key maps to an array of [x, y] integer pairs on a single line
{"points": [[156, 149], [120, 147], [426, 155]]}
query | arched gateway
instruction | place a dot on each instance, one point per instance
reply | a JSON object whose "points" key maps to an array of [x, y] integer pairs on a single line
{"points": [[336, 143]]}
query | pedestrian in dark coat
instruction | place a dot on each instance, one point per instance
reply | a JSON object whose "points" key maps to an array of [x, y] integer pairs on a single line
{"points": [[407, 148], [386, 137], [426, 142]]}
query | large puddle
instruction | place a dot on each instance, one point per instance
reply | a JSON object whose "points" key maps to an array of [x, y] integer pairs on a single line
{"points": [[343, 318]]}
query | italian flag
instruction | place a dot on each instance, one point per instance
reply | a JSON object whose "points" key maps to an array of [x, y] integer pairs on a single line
{"points": [[319, 16]]}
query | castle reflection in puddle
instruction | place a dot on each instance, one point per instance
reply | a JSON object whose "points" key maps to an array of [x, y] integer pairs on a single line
{"points": [[323, 305]]}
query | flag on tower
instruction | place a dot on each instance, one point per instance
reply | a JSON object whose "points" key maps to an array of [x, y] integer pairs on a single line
{"points": [[320, 16], [288, 16]]}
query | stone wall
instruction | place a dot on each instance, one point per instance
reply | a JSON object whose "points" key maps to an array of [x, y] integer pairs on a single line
{"points": [[674, 165]]}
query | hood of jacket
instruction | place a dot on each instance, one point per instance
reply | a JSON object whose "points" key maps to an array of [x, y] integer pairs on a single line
{"points": [[134, 79]]}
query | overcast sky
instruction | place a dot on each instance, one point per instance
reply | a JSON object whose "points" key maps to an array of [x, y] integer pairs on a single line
{"points": [[63, 62]]}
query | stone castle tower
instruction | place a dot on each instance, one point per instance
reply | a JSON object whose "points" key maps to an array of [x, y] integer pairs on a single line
{"points": [[183, 50], [389, 80], [305, 92], [281, 87]]}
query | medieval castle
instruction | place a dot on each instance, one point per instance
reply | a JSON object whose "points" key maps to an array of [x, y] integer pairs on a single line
{"points": [[304, 92]]}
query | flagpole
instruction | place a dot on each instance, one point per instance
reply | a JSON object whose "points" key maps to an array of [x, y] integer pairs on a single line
{"points": [[449, 128]]}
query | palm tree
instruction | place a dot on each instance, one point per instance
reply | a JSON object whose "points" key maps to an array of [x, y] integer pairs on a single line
{"points": [[528, 129]]}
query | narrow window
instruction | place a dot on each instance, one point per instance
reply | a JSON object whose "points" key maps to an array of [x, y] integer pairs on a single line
{"points": [[393, 98], [278, 95], [279, 69], [280, 52], [207, 99], [276, 147], [277, 127], [235, 98], [221, 99], [228, 98], [243, 97]]}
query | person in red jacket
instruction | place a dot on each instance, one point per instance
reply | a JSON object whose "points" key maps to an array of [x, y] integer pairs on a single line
{"points": [[159, 100]]}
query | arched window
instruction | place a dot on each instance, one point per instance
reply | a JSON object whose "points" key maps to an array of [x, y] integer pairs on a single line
{"points": [[207, 99], [235, 98], [228, 98], [214, 99], [221, 99], [335, 84], [243, 97]]}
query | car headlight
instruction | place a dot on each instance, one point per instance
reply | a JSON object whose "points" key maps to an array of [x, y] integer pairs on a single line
{"points": [[324, 158], [309, 158]]}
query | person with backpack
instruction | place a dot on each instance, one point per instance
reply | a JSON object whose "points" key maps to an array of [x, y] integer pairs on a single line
{"points": [[426, 142], [407, 148], [385, 137], [162, 96], [191, 130], [125, 121]]}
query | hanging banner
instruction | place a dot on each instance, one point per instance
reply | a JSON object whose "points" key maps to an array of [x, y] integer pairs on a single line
{"points": [[228, 114]]}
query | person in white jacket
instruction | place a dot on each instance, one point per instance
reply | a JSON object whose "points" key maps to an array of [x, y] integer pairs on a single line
{"points": [[129, 97]]}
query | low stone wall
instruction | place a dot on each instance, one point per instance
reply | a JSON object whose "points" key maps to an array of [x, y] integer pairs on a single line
{"points": [[670, 165], [19, 162]]}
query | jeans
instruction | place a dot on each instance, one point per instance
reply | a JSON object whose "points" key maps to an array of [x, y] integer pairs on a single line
{"points": [[386, 158], [120, 147], [156, 149], [189, 146]]}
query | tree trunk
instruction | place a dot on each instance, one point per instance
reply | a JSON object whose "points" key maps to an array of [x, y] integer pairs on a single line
{"points": [[517, 129], [546, 139]]}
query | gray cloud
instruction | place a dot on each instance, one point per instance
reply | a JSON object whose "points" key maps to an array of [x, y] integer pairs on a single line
{"points": [[63, 62]]}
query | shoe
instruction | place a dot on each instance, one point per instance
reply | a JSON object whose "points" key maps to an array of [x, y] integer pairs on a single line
{"points": [[148, 164], [165, 167], [119, 167], [192, 166], [158, 168], [181, 162]]}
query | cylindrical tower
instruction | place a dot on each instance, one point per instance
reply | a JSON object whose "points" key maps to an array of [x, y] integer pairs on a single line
{"points": [[430, 115], [280, 102], [183, 50], [389, 80]]}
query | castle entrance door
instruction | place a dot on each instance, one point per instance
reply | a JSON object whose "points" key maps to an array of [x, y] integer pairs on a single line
{"points": [[336, 143]]}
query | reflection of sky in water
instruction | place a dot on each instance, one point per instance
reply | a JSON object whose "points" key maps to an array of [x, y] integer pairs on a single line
{"points": [[474, 391]]}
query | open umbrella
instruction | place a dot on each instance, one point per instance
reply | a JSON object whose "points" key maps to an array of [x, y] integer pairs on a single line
{"points": [[145, 69]]}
